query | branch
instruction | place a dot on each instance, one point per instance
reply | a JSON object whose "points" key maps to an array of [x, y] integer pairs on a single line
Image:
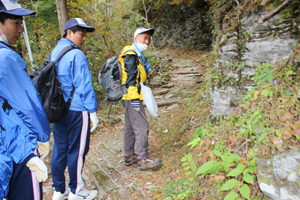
{"points": [[274, 12]]}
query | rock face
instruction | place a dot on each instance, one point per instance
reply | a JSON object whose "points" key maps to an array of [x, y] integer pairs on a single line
{"points": [[188, 27], [251, 45], [279, 177]]}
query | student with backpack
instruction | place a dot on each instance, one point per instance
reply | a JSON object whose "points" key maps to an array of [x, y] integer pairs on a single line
{"points": [[135, 69], [23, 122], [72, 133]]}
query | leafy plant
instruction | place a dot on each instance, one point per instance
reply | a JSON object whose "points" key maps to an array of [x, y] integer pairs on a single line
{"points": [[265, 73]]}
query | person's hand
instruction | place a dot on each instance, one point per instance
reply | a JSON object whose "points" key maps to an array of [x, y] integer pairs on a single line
{"points": [[38, 166], [136, 105], [94, 120], [43, 149]]}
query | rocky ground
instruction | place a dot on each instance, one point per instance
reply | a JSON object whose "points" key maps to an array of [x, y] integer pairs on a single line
{"points": [[178, 76]]}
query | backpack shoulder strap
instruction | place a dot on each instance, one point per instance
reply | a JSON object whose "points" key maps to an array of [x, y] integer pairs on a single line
{"points": [[63, 52], [130, 50], [6, 105]]}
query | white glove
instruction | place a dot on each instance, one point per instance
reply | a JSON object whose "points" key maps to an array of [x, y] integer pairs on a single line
{"points": [[37, 165], [94, 120], [43, 149]]}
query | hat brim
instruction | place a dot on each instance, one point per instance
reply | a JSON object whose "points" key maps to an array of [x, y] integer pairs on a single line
{"points": [[150, 30], [88, 28], [20, 12]]}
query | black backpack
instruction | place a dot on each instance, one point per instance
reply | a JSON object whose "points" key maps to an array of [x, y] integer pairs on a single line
{"points": [[49, 88]]}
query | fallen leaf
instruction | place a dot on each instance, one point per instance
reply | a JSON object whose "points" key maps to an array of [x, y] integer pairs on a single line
{"points": [[219, 178], [276, 141], [297, 131], [243, 161], [233, 138], [256, 94], [263, 2], [286, 116], [288, 133], [287, 125], [290, 147]]}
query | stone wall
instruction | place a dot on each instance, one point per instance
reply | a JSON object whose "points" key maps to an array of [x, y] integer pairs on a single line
{"points": [[252, 44], [278, 177], [189, 27]]}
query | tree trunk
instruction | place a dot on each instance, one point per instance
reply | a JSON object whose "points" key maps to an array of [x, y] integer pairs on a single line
{"points": [[62, 14]]}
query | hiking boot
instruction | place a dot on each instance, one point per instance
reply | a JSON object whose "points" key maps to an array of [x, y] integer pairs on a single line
{"points": [[60, 196], [130, 159], [148, 163], [83, 194]]}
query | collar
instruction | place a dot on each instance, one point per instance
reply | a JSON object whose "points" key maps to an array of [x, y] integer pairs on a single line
{"points": [[67, 41], [6, 45]]}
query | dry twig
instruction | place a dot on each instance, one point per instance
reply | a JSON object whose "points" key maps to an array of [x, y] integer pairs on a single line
{"points": [[274, 11]]}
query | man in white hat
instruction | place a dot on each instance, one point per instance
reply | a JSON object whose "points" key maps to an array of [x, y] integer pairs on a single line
{"points": [[135, 70], [23, 121]]}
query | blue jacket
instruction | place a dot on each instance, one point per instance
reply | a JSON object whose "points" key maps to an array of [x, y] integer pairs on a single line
{"points": [[29, 120], [13, 147], [73, 70]]}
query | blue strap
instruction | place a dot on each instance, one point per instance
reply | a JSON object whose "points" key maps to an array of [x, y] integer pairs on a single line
{"points": [[144, 61]]}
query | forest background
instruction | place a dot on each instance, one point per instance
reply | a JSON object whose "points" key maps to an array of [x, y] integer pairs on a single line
{"points": [[114, 21], [267, 118]]}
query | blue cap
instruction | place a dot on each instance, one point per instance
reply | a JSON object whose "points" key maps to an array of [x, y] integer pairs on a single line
{"points": [[13, 8], [78, 22]]}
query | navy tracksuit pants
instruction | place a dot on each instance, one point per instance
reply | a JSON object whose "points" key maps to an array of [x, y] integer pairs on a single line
{"points": [[71, 144], [23, 184]]}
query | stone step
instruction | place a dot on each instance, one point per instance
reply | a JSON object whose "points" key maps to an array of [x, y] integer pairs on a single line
{"points": [[186, 72], [160, 92], [109, 169], [192, 75], [183, 66], [167, 103]]}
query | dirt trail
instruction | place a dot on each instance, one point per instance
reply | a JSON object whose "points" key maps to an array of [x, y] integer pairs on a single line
{"points": [[104, 169]]}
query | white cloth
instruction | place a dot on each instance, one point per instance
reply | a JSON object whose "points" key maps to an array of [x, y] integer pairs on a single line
{"points": [[43, 149], [94, 120], [38, 166]]}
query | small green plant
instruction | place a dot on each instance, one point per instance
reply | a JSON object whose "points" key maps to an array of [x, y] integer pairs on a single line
{"points": [[264, 73]]}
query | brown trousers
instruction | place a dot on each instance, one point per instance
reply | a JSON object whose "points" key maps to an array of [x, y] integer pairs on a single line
{"points": [[135, 131]]}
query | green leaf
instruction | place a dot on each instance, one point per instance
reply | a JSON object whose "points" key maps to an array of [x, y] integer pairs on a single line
{"points": [[191, 179], [237, 158], [194, 168], [187, 168], [184, 164], [247, 178], [184, 158], [214, 169], [262, 136], [241, 166], [290, 72], [270, 78], [205, 167], [279, 132], [244, 190], [235, 172], [288, 92], [229, 184], [217, 153], [246, 171], [188, 173], [194, 142], [231, 196], [250, 153]]}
